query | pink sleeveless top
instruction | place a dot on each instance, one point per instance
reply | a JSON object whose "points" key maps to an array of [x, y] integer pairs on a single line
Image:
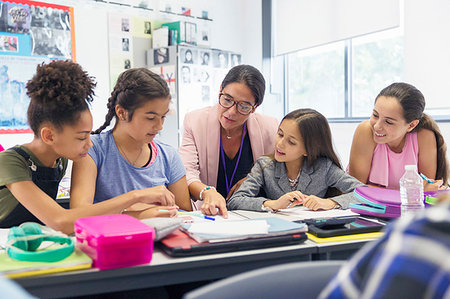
{"points": [[388, 167]]}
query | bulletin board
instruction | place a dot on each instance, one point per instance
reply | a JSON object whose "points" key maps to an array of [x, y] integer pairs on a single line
{"points": [[127, 36], [30, 33]]}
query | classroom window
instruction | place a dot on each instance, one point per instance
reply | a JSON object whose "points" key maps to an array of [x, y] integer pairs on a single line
{"points": [[317, 76], [377, 61], [342, 79]]}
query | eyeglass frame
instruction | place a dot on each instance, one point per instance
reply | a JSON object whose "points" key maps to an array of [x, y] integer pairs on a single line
{"points": [[236, 103]]}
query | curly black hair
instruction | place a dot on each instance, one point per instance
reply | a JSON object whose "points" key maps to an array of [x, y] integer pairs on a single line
{"points": [[59, 92]]}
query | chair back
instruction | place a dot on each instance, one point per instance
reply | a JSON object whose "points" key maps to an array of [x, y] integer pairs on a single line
{"points": [[293, 280]]}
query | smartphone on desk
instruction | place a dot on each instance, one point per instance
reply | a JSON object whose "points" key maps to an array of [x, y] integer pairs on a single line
{"points": [[358, 225]]}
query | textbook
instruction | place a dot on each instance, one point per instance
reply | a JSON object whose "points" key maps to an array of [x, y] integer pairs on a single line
{"points": [[15, 269]]}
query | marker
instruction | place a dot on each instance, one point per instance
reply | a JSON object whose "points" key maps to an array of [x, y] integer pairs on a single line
{"points": [[209, 218], [425, 178]]}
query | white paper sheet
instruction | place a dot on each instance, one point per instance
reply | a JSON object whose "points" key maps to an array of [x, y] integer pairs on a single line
{"points": [[301, 213], [227, 228]]}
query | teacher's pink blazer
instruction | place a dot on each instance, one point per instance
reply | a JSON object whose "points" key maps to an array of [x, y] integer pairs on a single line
{"points": [[200, 146]]}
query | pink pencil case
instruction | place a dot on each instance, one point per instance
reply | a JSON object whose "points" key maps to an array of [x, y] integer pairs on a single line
{"points": [[381, 202], [115, 241]]}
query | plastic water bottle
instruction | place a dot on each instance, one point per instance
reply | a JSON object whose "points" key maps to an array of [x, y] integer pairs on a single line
{"points": [[411, 190]]}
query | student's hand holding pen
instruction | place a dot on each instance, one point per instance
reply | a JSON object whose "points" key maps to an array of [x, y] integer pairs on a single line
{"points": [[156, 195], [431, 185], [285, 201], [154, 211]]}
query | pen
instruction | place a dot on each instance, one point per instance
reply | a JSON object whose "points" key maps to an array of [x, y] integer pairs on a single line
{"points": [[197, 215], [425, 178], [292, 201]]}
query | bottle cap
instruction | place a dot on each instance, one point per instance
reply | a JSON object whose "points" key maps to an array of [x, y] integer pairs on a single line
{"points": [[411, 167]]}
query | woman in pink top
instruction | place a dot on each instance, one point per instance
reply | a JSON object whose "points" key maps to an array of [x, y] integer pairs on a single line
{"points": [[397, 134]]}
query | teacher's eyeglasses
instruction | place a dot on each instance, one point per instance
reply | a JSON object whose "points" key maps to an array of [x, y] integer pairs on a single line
{"points": [[243, 108]]}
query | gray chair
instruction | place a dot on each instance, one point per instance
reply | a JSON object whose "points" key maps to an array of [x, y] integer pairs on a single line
{"points": [[293, 280]]}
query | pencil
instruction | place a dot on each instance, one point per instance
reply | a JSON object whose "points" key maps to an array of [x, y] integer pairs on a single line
{"points": [[425, 178]]}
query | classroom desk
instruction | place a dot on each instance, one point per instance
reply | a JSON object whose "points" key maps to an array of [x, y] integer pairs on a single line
{"points": [[164, 270], [341, 250]]}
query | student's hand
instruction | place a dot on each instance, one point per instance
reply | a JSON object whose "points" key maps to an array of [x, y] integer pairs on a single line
{"points": [[156, 195], [158, 211], [315, 203], [437, 185], [289, 199], [213, 200]]}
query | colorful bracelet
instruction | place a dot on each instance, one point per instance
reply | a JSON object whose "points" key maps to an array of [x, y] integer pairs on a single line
{"points": [[204, 189]]}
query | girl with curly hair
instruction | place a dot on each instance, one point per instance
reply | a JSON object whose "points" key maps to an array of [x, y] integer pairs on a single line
{"points": [[59, 116], [128, 157]]}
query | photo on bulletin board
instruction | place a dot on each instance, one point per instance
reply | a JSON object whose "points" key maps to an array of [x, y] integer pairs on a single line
{"points": [[147, 27], [161, 55], [188, 55], [186, 74], [205, 58], [31, 33], [220, 59]]}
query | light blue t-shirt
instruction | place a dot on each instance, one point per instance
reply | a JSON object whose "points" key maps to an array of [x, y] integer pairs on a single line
{"points": [[115, 176]]}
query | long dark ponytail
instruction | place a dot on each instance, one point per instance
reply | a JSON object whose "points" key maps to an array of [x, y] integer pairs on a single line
{"points": [[413, 104]]}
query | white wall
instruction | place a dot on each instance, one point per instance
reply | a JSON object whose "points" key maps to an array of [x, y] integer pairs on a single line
{"points": [[236, 27], [427, 50]]}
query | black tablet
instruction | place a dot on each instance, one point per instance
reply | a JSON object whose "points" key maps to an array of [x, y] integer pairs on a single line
{"points": [[358, 226], [330, 222]]}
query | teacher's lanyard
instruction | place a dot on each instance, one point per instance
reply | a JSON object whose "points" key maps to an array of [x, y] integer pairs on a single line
{"points": [[228, 185]]}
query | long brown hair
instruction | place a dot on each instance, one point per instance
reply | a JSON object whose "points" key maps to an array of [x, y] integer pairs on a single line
{"points": [[316, 135], [413, 104]]}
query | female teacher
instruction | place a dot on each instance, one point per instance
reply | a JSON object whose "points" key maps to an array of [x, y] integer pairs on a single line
{"points": [[221, 142]]}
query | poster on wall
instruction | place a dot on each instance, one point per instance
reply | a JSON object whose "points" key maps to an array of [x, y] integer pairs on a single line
{"points": [[201, 72], [31, 33], [122, 31]]}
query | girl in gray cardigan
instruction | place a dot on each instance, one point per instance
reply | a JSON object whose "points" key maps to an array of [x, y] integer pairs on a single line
{"points": [[301, 170]]}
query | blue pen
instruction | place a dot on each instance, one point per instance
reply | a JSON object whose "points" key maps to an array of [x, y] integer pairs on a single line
{"points": [[425, 178], [181, 212]]}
